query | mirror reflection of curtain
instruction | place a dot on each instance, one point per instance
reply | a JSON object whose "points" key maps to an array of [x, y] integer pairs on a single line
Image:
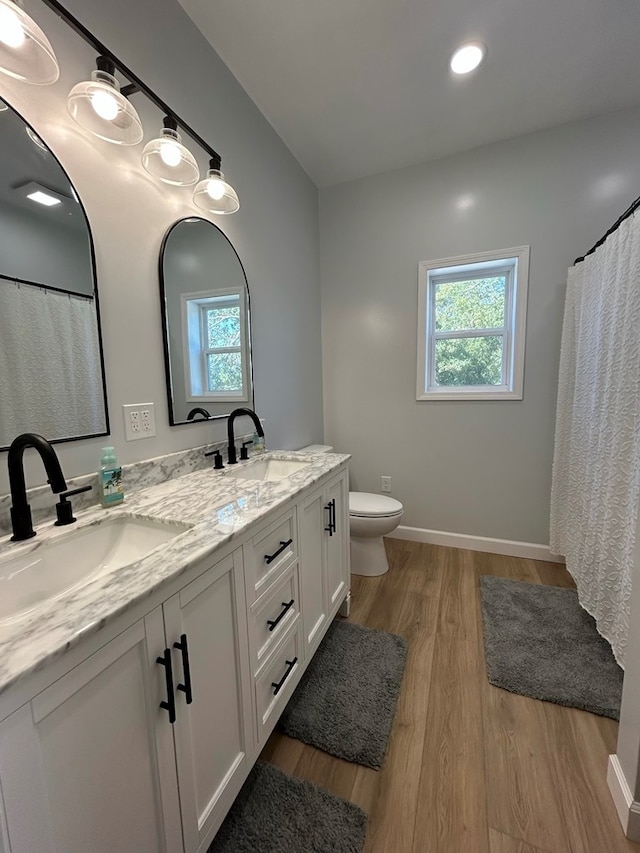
{"points": [[50, 378]]}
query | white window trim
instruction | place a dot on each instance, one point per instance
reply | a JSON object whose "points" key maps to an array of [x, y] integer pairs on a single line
{"points": [[513, 331], [189, 301]]}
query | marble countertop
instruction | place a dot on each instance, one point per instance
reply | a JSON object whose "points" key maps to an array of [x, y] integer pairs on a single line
{"points": [[216, 507]]}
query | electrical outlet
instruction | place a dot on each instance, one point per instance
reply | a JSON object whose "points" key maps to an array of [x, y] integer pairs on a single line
{"points": [[148, 420], [385, 484], [139, 421]]}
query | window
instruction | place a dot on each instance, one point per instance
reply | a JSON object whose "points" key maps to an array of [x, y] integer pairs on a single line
{"points": [[216, 345], [471, 326]]}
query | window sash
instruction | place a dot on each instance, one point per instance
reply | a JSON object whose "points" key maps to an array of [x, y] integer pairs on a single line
{"points": [[471, 273]]}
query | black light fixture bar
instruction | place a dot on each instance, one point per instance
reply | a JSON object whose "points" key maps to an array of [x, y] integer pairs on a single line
{"points": [[135, 83]]}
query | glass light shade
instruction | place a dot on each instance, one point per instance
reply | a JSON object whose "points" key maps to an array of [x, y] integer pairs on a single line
{"points": [[167, 158], [25, 52], [100, 107], [215, 195]]}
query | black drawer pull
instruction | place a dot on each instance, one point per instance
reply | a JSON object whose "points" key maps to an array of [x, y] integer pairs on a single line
{"points": [[277, 686], [273, 622], [170, 703], [269, 558], [331, 506], [186, 687]]}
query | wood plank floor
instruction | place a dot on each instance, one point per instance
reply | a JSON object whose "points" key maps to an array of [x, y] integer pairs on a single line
{"points": [[470, 767]]}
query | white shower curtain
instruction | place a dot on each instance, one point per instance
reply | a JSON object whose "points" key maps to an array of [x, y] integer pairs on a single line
{"points": [[50, 368], [596, 466]]}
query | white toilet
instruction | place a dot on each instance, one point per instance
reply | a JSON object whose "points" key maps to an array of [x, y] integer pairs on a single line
{"points": [[371, 517]]}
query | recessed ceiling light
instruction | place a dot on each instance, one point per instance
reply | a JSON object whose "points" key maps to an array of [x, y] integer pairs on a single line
{"points": [[467, 57], [43, 198]]}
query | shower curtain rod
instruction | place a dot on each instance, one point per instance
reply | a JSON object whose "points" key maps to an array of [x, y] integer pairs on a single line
{"points": [[628, 212]]}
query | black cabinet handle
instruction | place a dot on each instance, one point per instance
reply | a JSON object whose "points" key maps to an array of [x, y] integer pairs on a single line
{"points": [[170, 704], [269, 558], [331, 506], [186, 687], [277, 686], [273, 622]]}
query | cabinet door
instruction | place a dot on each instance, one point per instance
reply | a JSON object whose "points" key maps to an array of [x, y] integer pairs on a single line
{"points": [[313, 518], [336, 543], [81, 768], [213, 732]]}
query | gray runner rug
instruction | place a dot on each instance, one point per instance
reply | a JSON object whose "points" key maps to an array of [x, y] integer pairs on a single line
{"points": [[274, 813], [346, 700], [539, 642]]}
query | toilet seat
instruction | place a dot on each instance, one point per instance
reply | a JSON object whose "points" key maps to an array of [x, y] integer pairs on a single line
{"points": [[370, 505]]}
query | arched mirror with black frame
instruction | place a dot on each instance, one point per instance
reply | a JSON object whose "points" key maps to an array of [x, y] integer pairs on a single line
{"points": [[52, 378], [204, 298]]}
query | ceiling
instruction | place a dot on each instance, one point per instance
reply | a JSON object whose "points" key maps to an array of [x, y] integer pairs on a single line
{"points": [[358, 87]]}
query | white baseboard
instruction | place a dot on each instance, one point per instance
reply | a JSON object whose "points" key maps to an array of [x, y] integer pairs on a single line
{"points": [[628, 809], [529, 550]]}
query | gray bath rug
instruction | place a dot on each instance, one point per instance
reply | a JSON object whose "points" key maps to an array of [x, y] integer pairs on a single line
{"points": [[346, 699], [539, 642], [274, 813]]}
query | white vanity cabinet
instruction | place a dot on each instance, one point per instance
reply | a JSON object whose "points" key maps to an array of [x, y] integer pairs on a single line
{"points": [[206, 631], [324, 556], [94, 763], [86, 765], [142, 743]]}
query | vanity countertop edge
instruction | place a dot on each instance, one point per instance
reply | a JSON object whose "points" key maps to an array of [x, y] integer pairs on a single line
{"points": [[218, 509]]}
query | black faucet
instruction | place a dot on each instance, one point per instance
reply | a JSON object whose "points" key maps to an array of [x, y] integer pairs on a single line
{"points": [[198, 411], [20, 509], [232, 441]]}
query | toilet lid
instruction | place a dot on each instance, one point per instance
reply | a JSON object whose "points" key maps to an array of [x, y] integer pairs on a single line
{"points": [[369, 505]]}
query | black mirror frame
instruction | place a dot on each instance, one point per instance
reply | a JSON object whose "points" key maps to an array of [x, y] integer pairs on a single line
{"points": [[165, 323]]}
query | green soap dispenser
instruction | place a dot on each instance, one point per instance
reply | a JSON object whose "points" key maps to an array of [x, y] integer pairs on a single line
{"points": [[111, 491]]}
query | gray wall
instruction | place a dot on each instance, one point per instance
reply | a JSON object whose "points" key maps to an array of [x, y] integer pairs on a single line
{"points": [[473, 467], [275, 231]]}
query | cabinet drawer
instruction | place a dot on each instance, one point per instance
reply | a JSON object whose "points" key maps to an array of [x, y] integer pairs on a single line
{"points": [[269, 552], [272, 615], [276, 682]]}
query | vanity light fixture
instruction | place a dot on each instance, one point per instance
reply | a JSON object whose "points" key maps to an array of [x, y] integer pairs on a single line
{"points": [[467, 57], [167, 158], [214, 194], [25, 52], [99, 106]]}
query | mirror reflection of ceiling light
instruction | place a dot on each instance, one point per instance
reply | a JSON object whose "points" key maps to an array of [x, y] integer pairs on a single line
{"points": [[467, 57], [99, 106], [214, 194], [167, 158], [43, 198], [41, 194], [25, 52]]}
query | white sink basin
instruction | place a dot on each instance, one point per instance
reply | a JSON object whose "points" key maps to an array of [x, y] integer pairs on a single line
{"points": [[42, 571], [267, 469]]}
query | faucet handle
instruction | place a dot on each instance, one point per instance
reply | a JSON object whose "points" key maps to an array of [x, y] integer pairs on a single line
{"points": [[244, 453], [64, 510], [217, 461]]}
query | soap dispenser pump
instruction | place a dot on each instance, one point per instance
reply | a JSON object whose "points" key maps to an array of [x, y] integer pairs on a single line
{"points": [[111, 491]]}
